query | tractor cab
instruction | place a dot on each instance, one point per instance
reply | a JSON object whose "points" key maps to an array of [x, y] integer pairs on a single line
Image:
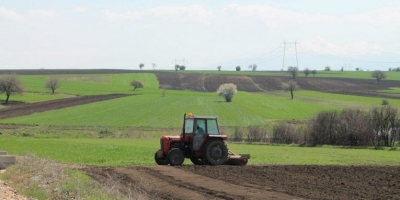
{"points": [[200, 140], [199, 129]]}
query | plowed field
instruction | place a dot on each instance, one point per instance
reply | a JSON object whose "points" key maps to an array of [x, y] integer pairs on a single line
{"points": [[254, 182], [211, 82]]}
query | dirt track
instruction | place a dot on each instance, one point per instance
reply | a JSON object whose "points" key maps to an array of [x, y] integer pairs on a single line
{"points": [[254, 182], [21, 109]]}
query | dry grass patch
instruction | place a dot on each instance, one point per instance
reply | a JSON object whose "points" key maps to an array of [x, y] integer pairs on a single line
{"points": [[44, 179]]}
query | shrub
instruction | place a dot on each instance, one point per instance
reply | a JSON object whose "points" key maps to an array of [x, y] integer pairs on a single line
{"points": [[256, 134], [238, 135], [350, 127], [284, 133], [323, 128], [386, 125], [227, 90]]}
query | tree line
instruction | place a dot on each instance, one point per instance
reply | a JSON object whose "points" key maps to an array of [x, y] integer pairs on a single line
{"points": [[10, 84]]}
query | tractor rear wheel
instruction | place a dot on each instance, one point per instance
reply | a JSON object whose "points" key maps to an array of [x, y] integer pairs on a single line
{"points": [[160, 161], [216, 152], [175, 157], [198, 161]]}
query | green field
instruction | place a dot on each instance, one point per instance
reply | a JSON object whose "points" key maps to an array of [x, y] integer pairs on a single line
{"points": [[149, 109], [126, 152], [154, 110]]}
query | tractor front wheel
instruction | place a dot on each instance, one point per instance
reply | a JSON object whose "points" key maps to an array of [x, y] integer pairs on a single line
{"points": [[216, 152], [175, 157], [160, 161]]}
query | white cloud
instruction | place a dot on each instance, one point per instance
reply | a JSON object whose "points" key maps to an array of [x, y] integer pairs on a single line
{"points": [[388, 14], [192, 13], [43, 13], [80, 9], [10, 14], [273, 16], [319, 45], [276, 17]]}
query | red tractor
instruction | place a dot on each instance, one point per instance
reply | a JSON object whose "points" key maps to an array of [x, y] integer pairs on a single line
{"points": [[201, 141]]}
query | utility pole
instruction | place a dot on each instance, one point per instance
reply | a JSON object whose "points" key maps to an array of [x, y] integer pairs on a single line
{"points": [[284, 52], [284, 49], [295, 47]]}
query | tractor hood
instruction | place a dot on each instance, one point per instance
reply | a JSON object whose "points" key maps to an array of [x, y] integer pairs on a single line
{"points": [[172, 138]]}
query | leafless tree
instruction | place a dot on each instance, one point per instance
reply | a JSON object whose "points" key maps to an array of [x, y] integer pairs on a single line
{"points": [[294, 71], [136, 84], [154, 66], [219, 68], [385, 121], [378, 75], [141, 65], [52, 83], [313, 72], [10, 84], [307, 71], [290, 86], [227, 90], [253, 67]]}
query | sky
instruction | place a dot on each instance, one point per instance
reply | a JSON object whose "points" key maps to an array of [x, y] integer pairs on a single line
{"points": [[202, 35]]}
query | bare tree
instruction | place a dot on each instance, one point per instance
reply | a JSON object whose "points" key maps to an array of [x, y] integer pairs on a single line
{"points": [[141, 65], [10, 84], [290, 86], [313, 72], [227, 90], [307, 71], [378, 75], [219, 68], [136, 84], [253, 67], [52, 83], [385, 120], [154, 66], [294, 71]]}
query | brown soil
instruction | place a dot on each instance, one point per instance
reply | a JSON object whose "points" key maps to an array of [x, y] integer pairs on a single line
{"points": [[8, 193], [254, 182], [20, 109], [211, 82]]}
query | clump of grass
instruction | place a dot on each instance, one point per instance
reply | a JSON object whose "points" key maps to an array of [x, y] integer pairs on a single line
{"points": [[43, 179]]}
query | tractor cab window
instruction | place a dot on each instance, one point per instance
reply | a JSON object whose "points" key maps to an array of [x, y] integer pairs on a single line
{"points": [[212, 127], [189, 125], [201, 126]]}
